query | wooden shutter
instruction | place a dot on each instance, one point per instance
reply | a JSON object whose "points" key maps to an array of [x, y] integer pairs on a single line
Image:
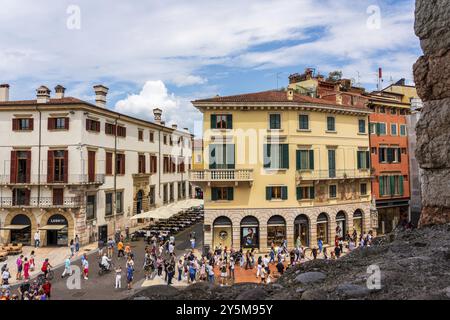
{"points": [[27, 197], [15, 124], [91, 166], [50, 123], [66, 123], [400, 185], [311, 192], [122, 165], [284, 193], [230, 158], [367, 159], [66, 166], [267, 151], [108, 169], [58, 196], [392, 184], [230, 193], [381, 185], [13, 166], [399, 154], [299, 193], [268, 193], [28, 172], [213, 121], [50, 165], [214, 194], [298, 159], [359, 160], [31, 124], [229, 121], [311, 159], [285, 156], [88, 122]]}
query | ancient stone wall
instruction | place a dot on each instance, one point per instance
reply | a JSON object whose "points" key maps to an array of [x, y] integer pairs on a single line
{"points": [[432, 78]]}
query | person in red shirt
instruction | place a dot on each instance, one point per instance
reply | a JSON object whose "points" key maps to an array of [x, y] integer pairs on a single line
{"points": [[45, 267], [47, 287]]}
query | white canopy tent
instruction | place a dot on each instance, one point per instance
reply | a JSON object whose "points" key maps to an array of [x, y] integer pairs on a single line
{"points": [[165, 212]]}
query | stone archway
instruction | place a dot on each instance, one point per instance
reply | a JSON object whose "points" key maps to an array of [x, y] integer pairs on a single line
{"points": [[9, 218], [70, 223]]}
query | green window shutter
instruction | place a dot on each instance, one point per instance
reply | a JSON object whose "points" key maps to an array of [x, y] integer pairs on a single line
{"points": [[399, 155], [381, 183], [311, 193], [378, 128], [266, 150], [392, 184], [213, 121], [367, 159], [299, 193], [230, 193], [285, 156], [212, 156], [268, 193], [311, 159], [214, 194], [229, 121], [401, 185], [359, 162], [298, 156], [230, 157], [284, 193], [380, 155]]}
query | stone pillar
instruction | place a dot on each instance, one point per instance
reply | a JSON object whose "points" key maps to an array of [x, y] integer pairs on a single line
{"points": [[312, 234], [236, 237], [290, 235], [263, 239], [331, 231], [432, 78]]}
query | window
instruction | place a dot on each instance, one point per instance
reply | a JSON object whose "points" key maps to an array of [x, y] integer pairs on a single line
{"points": [[276, 193], [165, 196], [391, 185], [108, 163], [374, 150], [381, 110], [166, 164], [121, 131], [22, 124], [361, 126], [151, 136], [171, 196], [141, 135], [304, 193], [120, 163], [153, 164], [389, 155], [92, 125], [363, 158], [221, 121], [373, 128], [141, 163], [151, 196], [332, 191], [402, 112], [110, 128], [305, 160], [331, 124], [221, 156], [91, 207], [381, 129], [276, 156], [59, 166], [363, 189], [303, 122], [21, 197], [393, 129], [58, 196], [403, 130], [181, 166], [165, 139], [222, 193], [403, 150], [170, 140], [119, 202], [275, 121], [108, 203], [393, 111], [58, 124]]}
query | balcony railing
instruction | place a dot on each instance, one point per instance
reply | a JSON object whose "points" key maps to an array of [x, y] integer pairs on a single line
{"points": [[42, 202], [72, 179], [221, 175], [333, 174]]}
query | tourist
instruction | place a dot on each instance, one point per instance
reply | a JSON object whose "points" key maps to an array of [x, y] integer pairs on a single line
{"points": [[5, 277], [341, 245], [314, 253], [231, 267], [72, 248], [210, 269], [19, 264], [325, 253], [192, 272], [37, 239], [272, 255], [46, 267], [170, 272], [32, 262], [47, 288], [147, 265], [280, 267], [298, 242], [192, 243], [180, 268], [118, 282], [337, 251], [351, 245], [320, 244], [85, 266], [120, 252], [23, 289], [268, 277], [263, 275], [67, 269], [26, 269], [77, 244], [292, 257], [259, 267], [110, 245], [130, 271], [127, 250]]}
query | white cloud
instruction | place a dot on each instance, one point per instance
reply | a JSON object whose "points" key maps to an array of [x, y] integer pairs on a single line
{"points": [[154, 94]]}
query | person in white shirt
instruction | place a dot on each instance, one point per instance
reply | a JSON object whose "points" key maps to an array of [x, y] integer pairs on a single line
{"points": [[37, 239], [118, 277], [106, 261]]}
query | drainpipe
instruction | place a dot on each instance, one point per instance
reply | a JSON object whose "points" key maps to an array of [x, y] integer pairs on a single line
{"points": [[159, 162], [39, 155], [115, 171]]}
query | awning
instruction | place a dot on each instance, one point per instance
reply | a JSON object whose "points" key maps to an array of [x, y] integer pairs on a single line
{"points": [[14, 227], [53, 227]]}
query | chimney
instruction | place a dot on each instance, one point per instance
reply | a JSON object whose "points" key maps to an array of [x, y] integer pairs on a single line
{"points": [[174, 126], [157, 114], [100, 95], [163, 123], [4, 92], [186, 129], [290, 94], [59, 91], [43, 94]]}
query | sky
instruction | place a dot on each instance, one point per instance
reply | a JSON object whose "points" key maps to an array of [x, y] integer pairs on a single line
{"points": [[167, 53]]}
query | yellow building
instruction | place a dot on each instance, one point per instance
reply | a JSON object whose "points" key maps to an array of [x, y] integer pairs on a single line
{"points": [[280, 165]]}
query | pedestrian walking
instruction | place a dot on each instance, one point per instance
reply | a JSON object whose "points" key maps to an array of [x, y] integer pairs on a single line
{"points": [[120, 251], [85, 265], [37, 239], [26, 269], [72, 248], [77, 244], [180, 268], [118, 284], [19, 264], [130, 272], [46, 267], [32, 262], [67, 269], [110, 245]]}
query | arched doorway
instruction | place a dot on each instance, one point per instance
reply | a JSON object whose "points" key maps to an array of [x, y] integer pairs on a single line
{"points": [[276, 231], [301, 229], [249, 232], [139, 199], [322, 227], [21, 229], [222, 232], [358, 221], [57, 230], [341, 224]]}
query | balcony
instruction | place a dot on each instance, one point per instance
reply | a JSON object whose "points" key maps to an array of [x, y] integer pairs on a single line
{"points": [[221, 175], [337, 174], [43, 202], [72, 179]]}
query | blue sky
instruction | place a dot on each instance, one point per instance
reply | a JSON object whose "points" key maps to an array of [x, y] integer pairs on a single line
{"points": [[166, 53]]}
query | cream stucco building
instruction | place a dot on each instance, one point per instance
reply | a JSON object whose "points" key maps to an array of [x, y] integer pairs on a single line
{"points": [[281, 165]]}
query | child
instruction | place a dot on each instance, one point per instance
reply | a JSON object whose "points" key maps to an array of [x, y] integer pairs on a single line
{"points": [[118, 277], [85, 264]]}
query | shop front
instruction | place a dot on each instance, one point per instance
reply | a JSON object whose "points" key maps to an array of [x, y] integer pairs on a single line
{"points": [[301, 230], [358, 221], [20, 229], [341, 222], [57, 230], [249, 233], [276, 231], [222, 233], [322, 227]]}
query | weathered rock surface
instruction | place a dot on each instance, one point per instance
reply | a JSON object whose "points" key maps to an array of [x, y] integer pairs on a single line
{"points": [[310, 277], [413, 265], [432, 78]]}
